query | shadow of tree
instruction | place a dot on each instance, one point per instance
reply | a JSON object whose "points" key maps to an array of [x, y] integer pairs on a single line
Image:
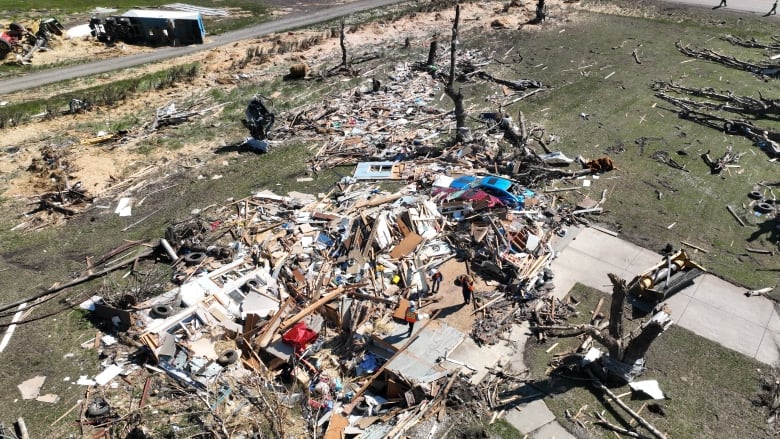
{"points": [[566, 376], [769, 227]]}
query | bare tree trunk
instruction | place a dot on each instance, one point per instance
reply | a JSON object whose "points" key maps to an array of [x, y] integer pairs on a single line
{"points": [[457, 97], [637, 347], [432, 53], [541, 12], [343, 47], [616, 314], [573, 331], [454, 48]]}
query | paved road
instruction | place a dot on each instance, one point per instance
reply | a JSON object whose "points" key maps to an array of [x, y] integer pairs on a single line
{"points": [[294, 21], [759, 6]]}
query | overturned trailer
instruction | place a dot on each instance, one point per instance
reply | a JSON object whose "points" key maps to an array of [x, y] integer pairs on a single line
{"points": [[150, 27]]}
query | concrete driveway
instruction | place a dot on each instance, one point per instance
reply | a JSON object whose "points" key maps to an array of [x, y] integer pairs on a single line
{"points": [[711, 307]]}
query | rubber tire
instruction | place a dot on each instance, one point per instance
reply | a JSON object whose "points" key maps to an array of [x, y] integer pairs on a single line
{"points": [[362, 407], [194, 258], [98, 408], [162, 311], [755, 195], [252, 284], [228, 357], [764, 207]]}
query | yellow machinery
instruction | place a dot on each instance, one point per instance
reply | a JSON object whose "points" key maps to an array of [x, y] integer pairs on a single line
{"points": [[675, 272]]}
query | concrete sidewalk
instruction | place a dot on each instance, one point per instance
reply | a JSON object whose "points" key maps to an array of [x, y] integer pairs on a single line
{"points": [[711, 308], [532, 419]]}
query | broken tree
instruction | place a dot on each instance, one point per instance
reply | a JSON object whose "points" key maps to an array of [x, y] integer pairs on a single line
{"points": [[625, 358], [763, 69], [462, 134]]}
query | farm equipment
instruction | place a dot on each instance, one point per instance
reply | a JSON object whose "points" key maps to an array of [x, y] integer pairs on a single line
{"points": [[675, 272]]}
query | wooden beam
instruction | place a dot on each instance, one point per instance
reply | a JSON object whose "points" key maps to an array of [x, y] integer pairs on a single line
{"points": [[269, 330], [597, 310], [311, 308], [734, 214], [145, 392], [694, 247]]}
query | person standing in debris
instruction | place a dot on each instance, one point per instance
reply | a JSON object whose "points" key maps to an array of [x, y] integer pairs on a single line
{"points": [[411, 317], [541, 11], [436, 279], [467, 287]]}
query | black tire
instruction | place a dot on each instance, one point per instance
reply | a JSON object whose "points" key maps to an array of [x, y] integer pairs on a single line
{"points": [[764, 207], [227, 357], [252, 284], [362, 408], [99, 407], [729, 128], [755, 195], [194, 258], [162, 311]]}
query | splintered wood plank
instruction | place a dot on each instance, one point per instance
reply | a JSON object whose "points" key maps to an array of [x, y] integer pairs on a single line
{"points": [[406, 246]]}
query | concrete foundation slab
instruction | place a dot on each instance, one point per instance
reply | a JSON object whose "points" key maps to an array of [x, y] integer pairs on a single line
{"points": [[553, 430], [768, 351], [723, 295], [530, 417], [723, 327]]}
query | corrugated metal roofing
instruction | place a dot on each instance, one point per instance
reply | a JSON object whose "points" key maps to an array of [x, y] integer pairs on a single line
{"points": [[418, 362]]}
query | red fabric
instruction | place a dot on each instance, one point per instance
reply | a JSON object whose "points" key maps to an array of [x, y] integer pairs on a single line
{"points": [[299, 336]]}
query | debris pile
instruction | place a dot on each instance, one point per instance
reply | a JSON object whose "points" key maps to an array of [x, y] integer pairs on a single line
{"points": [[314, 302], [334, 308], [24, 41]]}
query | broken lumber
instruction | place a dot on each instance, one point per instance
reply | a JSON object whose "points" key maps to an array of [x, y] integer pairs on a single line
{"points": [[760, 251], [694, 247], [734, 214], [80, 280], [610, 426], [311, 308], [599, 385], [597, 309]]}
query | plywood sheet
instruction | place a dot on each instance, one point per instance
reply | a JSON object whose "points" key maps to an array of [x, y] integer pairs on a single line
{"points": [[406, 246]]}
